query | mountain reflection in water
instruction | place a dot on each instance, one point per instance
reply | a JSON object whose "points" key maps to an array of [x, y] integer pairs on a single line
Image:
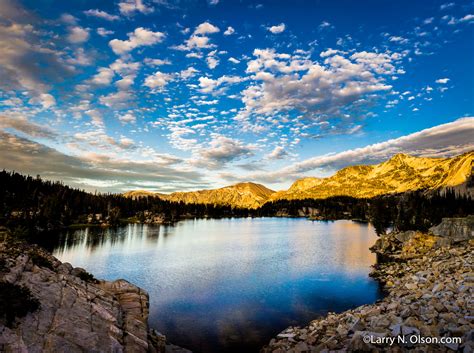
{"points": [[230, 285]]}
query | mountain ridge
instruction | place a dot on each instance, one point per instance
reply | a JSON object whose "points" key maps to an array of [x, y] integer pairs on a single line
{"points": [[400, 173]]}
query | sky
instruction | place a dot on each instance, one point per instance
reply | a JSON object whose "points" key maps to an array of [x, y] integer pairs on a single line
{"points": [[189, 94]]}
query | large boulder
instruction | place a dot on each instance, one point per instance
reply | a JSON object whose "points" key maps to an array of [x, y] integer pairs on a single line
{"points": [[77, 313], [454, 230]]}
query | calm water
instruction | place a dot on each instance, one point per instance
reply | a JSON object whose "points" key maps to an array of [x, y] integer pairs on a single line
{"points": [[230, 285]]}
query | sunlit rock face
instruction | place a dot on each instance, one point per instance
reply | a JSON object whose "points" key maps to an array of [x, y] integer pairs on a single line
{"points": [[401, 173], [246, 195]]}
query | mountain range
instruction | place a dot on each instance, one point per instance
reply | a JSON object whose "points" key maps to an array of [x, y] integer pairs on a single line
{"points": [[401, 173]]}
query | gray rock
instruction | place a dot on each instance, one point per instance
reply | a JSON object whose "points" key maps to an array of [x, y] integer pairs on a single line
{"points": [[77, 316], [454, 230]]}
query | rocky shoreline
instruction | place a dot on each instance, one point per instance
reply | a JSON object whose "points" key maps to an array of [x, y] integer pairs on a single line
{"points": [[76, 313], [429, 278]]}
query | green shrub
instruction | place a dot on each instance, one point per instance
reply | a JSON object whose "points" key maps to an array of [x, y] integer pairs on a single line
{"points": [[15, 302], [88, 277], [3, 265], [40, 260]]}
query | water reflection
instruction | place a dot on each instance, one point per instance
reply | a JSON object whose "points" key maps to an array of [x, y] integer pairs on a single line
{"points": [[229, 285]]}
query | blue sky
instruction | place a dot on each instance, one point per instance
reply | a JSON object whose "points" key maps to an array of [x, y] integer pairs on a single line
{"points": [[180, 95]]}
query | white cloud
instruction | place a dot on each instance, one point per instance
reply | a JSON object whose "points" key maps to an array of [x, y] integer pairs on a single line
{"points": [[68, 18], [22, 124], [442, 81], [212, 2], [117, 100], [47, 100], [398, 39], [138, 38], [447, 5], [101, 14], [222, 150], [80, 58], [128, 118], [156, 62], [209, 85], [103, 77], [443, 140], [467, 18], [428, 20], [234, 60], [101, 31], [324, 24], [277, 29], [321, 92], [188, 73], [158, 80], [111, 173], [199, 39], [96, 117], [129, 7], [230, 30], [78, 34], [278, 152], [212, 60], [328, 52], [206, 28]]}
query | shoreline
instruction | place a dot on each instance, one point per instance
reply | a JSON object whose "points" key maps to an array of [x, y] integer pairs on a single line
{"points": [[429, 281], [421, 274], [74, 312]]}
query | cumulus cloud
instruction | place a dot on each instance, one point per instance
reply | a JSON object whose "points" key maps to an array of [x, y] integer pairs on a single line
{"points": [[188, 73], [103, 77], [443, 140], [206, 28], [319, 91], [465, 19], [96, 117], [398, 39], [199, 39], [117, 100], [77, 35], [128, 118], [222, 150], [138, 38], [103, 32], [158, 80], [442, 81], [45, 99], [446, 5], [101, 14], [157, 62], [278, 152], [209, 85], [230, 30], [130, 7], [212, 60], [277, 29]]}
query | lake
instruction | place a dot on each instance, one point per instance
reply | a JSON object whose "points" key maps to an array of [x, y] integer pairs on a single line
{"points": [[230, 285]]}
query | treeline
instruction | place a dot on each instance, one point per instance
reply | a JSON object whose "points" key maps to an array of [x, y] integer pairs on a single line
{"points": [[34, 205], [416, 210], [31, 205]]}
